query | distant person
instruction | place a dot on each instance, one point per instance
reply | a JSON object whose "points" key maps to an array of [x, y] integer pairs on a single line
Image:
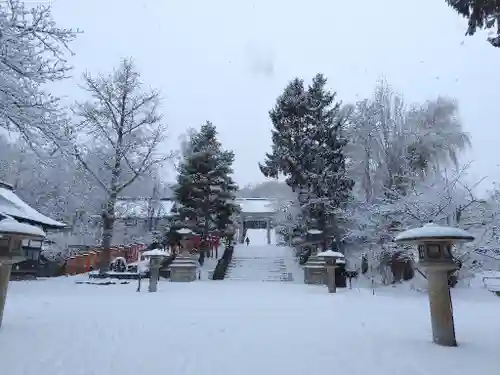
{"points": [[247, 241]]}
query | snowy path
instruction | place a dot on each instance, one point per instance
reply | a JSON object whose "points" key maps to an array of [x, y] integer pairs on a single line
{"points": [[258, 236], [56, 327], [263, 263]]}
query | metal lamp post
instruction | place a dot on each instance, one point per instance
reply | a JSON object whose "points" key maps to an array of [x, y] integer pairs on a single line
{"points": [[330, 258], [12, 234], [435, 257]]}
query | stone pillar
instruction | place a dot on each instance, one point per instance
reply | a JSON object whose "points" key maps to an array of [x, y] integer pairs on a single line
{"points": [[268, 227], [154, 273], [4, 285], [330, 278], [443, 329]]}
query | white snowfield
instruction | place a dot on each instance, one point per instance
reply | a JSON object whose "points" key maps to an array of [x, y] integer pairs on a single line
{"points": [[56, 327]]}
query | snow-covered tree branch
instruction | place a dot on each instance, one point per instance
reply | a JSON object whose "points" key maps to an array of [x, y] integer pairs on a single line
{"points": [[120, 122], [32, 54]]}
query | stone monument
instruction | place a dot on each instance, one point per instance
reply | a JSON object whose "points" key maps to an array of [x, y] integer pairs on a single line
{"points": [[435, 257], [330, 258]]}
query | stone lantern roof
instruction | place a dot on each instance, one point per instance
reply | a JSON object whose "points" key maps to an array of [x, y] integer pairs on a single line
{"points": [[434, 232]]}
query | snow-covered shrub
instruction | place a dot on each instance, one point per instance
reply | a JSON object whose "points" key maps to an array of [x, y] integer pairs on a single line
{"points": [[118, 265]]}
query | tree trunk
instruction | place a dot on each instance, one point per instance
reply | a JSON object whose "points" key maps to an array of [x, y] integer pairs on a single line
{"points": [[336, 232], [322, 227], [108, 221], [368, 186], [206, 246]]}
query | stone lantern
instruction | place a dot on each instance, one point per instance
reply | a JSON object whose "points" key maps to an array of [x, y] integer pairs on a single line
{"points": [[12, 234], [155, 258], [185, 241], [331, 257], [435, 257]]}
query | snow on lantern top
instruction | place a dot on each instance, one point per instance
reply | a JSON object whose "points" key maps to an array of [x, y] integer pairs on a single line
{"points": [[432, 231], [314, 231], [155, 252], [10, 226], [184, 231], [330, 254]]}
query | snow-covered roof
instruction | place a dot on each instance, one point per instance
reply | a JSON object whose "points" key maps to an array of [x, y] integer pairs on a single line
{"points": [[139, 208], [11, 204], [256, 205], [12, 226], [434, 231]]}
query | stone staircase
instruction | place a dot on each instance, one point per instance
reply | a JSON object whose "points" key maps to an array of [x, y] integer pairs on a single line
{"points": [[258, 269]]}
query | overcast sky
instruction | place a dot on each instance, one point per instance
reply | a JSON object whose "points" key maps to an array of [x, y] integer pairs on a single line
{"points": [[226, 61]]}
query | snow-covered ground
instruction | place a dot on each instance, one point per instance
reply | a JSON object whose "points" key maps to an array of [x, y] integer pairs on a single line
{"points": [[257, 236], [56, 327]]}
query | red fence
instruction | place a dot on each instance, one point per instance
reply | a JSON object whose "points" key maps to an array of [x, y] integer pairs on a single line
{"points": [[89, 260]]}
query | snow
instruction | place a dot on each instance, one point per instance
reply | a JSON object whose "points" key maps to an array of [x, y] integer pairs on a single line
{"points": [[257, 236], [330, 254], [256, 205], [273, 237], [432, 230], [12, 205], [155, 252], [55, 327], [140, 208], [314, 231], [114, 273], [12, 226]]}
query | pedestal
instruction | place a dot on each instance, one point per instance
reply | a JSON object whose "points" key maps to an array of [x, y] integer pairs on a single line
{"points": [[4, 284], [314, 274], [330, 278], [314, 271], [443, 328], [183, 272]]}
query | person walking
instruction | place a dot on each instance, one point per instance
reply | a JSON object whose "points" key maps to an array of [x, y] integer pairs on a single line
{"points": [[247, 241]]}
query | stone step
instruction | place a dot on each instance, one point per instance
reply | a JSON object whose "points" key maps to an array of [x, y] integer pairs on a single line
{"points": [[266, 269]]}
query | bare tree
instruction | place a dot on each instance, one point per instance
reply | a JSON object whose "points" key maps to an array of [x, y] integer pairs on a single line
{"points": [[32, 54], [122, 122], [395, 145]]}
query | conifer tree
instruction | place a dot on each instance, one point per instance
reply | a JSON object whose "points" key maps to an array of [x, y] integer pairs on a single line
{"points": [[308, 148], [328, 185], [205, 190], [481, 14]]}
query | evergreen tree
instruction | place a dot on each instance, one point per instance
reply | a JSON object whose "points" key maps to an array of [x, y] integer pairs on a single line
{"points": [[308, 148], [328, 185], [482, 14], [205, 190], [288, 135]]}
